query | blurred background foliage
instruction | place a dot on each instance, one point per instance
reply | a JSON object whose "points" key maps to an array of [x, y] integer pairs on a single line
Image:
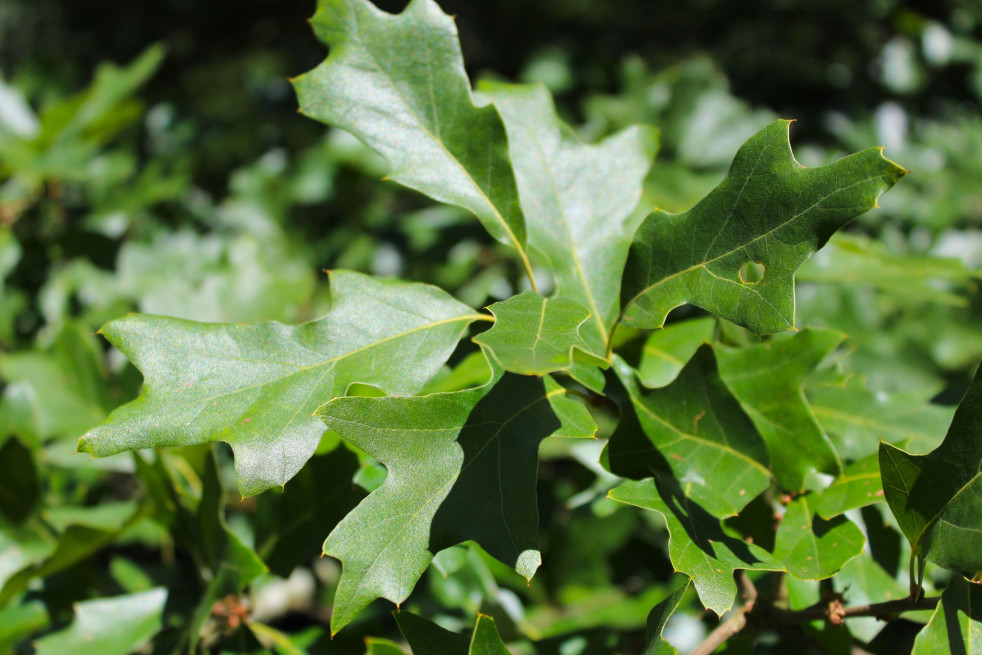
{"points": [[151, 159]]}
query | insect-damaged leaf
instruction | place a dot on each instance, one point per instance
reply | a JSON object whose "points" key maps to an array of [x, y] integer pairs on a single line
{"points": [[257, 386], [769, 214], [936, 497], [577, 198], [461, 465], [398, 83]]}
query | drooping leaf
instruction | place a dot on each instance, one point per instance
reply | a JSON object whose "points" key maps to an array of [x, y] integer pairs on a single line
{"points": [[667, 350], [427, 638], [698, 544], [767, 378], [813, 548], [257, 386], [769, 212], [577, 198], [858, 486], [658, 619], [533, 335], [956, 626], [695, 428], [109, 626], [461, 465], [398, 83], [856, 419], [936, 497]]}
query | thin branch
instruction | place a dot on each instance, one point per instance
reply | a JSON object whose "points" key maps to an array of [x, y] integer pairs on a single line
{"points": [[835, 612]]}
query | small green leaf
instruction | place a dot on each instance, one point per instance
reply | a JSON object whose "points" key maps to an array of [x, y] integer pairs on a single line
{"points": [[956, 626], [695, 428], [533, 335], [577, 198], [427, 638], [770, 211], [486, 640], [19, 621], [376, 646], [461, 465], [698, 544], [858, 486], [257, 386], [812, 548], [109, 626], [658, 619], [767, 378], [398, 83], [936, 497], [667, 350]]}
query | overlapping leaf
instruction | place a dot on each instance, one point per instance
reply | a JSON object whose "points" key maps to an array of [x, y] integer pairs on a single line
{"points": [[257, 386], [936, 497], [398, 83], [767, 379], [698, 544], [859, 485], [769, 211], [956, 626], [695, 428], [533, 335], [667, 350], [658, 619], [427, 638], [813, 548], [461, 465], [577, 198]]}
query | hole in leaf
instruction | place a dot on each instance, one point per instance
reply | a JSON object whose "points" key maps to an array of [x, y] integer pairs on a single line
{"points": [[751, 272]]}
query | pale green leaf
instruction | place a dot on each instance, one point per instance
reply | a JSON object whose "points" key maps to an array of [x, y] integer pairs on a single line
{"points": [[858, 486], [768, 378], [658, 619], [769, 211], [533, 335], [695, 428], [257, 386], [956, 626], [577, 198], [377, 646], [936, 497], [812, 548], [461, 465], [698, 544], [398, 83], [667, 350], [109, 626]]}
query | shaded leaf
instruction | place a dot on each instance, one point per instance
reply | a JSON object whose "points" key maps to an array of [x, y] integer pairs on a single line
{"points": [[398, 83], [813, 548], [461, 465], [858, 486], [109, 626], [695, 428], [667, 350], [577, 198], [533, 335], [956, 626], [658, 619], [19, 485], [427, 638], [769, 211], [768, 378], [257, 386], [936, 497], [698, 545]]}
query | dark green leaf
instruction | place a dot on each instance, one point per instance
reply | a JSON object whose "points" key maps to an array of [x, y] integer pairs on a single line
{"points": [[767, 379], [462, 465], [427, 638], [812, 548], [19, 486], [658, 619], [769, 211], [577, 198], [398, 83], [257, 386], [936, 497], [695, 428], [109, 626]]}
